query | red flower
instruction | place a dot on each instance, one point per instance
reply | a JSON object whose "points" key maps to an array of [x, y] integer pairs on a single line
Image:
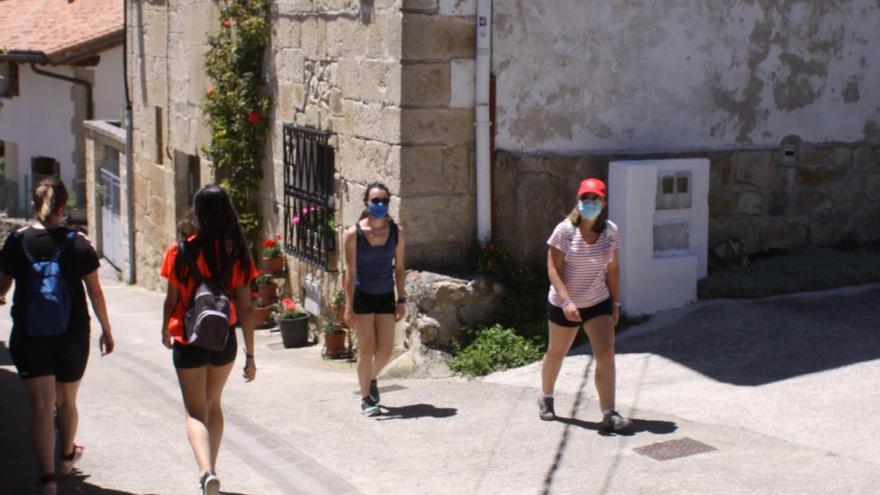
{"points": [[288, 304], [227, 22], [277, 237], [269, 243], [253, 117], [211, 91]]}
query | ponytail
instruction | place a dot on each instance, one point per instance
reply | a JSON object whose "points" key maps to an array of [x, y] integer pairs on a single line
{"points": [[50, 195]]}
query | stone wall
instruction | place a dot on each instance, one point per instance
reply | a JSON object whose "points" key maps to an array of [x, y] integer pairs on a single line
{"points": [[166, 43], [828, 196]]}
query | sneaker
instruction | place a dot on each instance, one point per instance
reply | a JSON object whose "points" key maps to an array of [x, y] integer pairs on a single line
{"points": [[46, 485], [68, 460], [209, 484], [613, 421], [369, 407], [374, 390], [545, 408]]}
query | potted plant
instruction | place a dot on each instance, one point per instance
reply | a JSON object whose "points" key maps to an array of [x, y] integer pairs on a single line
{"points": [[294, 323], [339, 309], [273, 260], [262, 311], [334, 341], [266, 287]]}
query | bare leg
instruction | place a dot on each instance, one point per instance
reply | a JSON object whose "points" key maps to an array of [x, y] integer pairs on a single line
{"points": [[561, 339], [384, 343], [601, 333], [365, 327], [41, 392], [68, 415], [193, 386], [217, 376]]}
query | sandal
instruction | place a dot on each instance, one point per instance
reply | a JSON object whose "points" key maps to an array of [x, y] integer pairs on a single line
{"points": [[68, 460]]}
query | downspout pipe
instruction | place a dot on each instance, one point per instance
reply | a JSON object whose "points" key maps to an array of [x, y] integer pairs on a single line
{"points": [[129, 162], [483, 121], [90, 106]]}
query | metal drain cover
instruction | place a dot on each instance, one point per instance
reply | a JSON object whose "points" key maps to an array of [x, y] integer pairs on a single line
{"points": [[673, 449]]}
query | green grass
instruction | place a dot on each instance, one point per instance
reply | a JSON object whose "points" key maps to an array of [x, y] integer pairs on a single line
{"points": [[808, 269]]}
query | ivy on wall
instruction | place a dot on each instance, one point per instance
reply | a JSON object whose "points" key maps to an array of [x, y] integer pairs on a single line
{"points": [[236, 106]]}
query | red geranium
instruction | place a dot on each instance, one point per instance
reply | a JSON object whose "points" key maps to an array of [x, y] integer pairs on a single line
{"points": [[269, 243], [253, 117], [211, 91], [227, 22]]}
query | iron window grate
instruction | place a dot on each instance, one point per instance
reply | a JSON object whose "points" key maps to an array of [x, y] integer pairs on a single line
{"points": [[309, 214]]}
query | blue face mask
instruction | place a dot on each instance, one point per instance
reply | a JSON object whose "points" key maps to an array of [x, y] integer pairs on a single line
{"points": [[378, 210], [590, 209]]}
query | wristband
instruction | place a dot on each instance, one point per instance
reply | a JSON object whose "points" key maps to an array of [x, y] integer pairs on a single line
{"points": [[618, 304], [248, 356], [567, 302]]}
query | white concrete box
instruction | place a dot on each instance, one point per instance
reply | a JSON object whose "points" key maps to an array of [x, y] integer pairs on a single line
{"points": [[662, 210]]}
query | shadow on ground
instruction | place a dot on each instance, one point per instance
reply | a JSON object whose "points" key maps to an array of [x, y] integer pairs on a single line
{"points": [[416, 411], [639, 426], [751, 343], [18, 466]]}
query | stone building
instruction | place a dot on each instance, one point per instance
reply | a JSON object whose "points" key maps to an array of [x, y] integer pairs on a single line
{"points": [[781, 96]]}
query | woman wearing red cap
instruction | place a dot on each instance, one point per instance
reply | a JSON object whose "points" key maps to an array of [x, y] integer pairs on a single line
{"points": [[584, 289]]}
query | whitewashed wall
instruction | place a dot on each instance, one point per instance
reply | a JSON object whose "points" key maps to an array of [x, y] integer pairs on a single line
{"points": [[40, 120], [640, 75]]}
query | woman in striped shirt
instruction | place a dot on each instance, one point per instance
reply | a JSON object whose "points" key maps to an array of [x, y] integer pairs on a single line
{"points": [[584, 289]]}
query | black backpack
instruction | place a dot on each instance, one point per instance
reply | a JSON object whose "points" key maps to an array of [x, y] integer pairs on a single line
{"points": [[208, 313]]}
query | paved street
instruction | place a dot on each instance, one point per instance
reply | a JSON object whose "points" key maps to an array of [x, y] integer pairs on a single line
{"points": [[783, 394]]}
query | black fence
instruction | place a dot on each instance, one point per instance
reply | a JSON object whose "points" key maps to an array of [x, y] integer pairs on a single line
{"points": [[309, 215]]}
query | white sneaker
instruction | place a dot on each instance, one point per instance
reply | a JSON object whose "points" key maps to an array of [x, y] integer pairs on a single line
{"points": [[210, 484]]}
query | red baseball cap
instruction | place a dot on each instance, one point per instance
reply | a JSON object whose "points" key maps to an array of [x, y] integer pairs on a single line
{"points": [[592, 186]]}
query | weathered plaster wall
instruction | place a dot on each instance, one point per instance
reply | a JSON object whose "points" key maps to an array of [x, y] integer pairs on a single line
{"points": [[638, 75]]}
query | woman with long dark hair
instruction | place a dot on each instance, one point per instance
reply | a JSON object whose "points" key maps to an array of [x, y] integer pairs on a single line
{"points": [[50, 333], [218, 251], [584, 290], [374, 257]]}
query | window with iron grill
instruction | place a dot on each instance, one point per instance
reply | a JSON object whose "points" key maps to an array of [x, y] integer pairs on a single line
{"points": [[309, 215]]}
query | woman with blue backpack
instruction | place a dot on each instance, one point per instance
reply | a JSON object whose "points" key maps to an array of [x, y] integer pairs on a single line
{"points": [[584, 274], [209, 272], [374, 256], [49, 343]]}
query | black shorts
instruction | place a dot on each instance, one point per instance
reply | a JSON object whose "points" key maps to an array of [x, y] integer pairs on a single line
{"points": [[65, 356], [556, 315], [190, 356], [381, 304]]}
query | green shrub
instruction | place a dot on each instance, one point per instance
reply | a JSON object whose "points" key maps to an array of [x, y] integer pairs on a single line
{"points": [[495, 348]]}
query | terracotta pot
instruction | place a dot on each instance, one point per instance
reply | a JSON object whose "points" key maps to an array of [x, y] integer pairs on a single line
{"points": [[274, 265], [294, 331], [340, 316], [334, 344], [269, 292], [262, 316]]}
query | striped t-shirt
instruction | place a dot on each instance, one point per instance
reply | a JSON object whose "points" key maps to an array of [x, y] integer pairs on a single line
{"points": [[583, 272]]}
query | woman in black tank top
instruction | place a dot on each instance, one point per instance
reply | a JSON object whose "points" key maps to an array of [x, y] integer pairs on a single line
{"points": [[374, 255], [50, 335]]}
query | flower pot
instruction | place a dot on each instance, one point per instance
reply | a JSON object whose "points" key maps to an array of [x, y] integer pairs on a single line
{"points": [[274, 265], [269, 292], [262, 316], [294, 331], [334, 344], [340, 316]]}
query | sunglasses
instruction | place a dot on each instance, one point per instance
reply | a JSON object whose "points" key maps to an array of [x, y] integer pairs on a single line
{"points": [[376, 201], [590, 197]]}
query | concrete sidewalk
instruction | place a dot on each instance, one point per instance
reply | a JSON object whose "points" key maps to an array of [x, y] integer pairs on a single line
{"points": [[783, 392]]}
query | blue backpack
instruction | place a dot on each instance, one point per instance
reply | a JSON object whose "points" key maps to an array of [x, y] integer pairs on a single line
{"points": [[47, 305]]}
